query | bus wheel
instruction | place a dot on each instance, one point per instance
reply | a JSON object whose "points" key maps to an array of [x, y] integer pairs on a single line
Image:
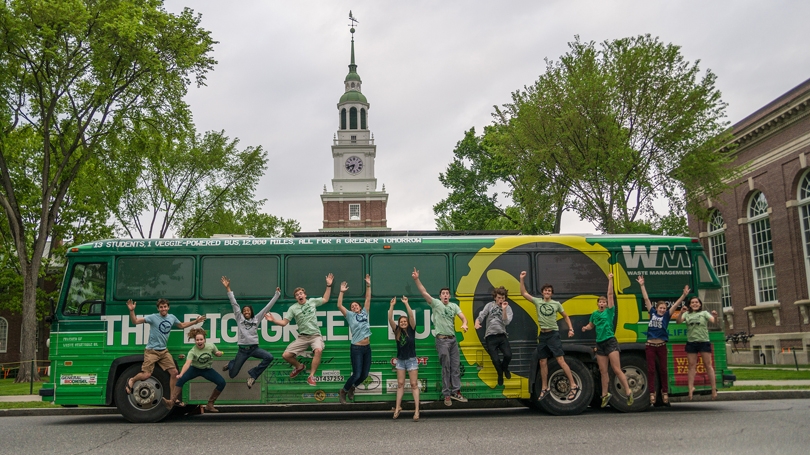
{"points": [[635, 368], [144, 404], [557, 403]]}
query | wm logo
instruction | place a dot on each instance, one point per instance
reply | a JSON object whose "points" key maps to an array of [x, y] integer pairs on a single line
{"points": [[657, 257]]}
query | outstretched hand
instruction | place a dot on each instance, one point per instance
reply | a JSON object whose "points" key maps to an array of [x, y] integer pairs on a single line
{"points": [[344, 287], [225, 281], [640, 280], [329, 279], [415, 274], [522, 274], [131, 305], [393, 301], [686, 290], [368, 280], [270, 317]]}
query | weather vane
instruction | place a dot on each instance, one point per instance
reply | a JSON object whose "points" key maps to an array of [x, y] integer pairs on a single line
{"points": [[354, 22]]}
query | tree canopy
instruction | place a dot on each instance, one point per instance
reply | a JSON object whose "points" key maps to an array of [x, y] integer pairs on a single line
{"points": [[606, 131]]}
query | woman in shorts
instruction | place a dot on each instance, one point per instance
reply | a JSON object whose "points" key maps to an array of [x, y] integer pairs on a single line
{"points": [[405, 335], [607, 348], [697, 341]]}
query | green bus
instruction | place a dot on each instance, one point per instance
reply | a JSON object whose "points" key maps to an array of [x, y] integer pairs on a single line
{"points": [[94, 347]]}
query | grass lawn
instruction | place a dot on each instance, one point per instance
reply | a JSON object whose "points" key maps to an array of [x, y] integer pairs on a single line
{"points": [[8, 387], [764, 387], [28, 405], [768, 374]]}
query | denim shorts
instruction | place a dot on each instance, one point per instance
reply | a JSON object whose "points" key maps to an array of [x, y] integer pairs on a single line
{"points": [[407, 365]]}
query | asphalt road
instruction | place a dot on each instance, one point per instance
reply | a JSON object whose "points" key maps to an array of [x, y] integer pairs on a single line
{"points": [[741, 427]]}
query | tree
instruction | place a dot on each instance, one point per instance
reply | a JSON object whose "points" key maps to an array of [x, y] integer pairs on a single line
{"points": [[70, 73], [608, 130], [245, 221]]}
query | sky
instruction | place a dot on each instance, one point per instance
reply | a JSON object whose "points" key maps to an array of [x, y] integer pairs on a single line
{"points": [[433, 70]]}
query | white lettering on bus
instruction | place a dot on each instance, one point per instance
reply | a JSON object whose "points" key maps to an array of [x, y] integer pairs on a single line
{"points": [[677, 257]]}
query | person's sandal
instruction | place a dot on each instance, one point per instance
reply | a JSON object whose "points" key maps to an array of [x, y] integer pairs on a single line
{"points": [[416, 416], [129, 386], [652, 399], [572, 394], [396, 412], [543, 394], [665, 399]]}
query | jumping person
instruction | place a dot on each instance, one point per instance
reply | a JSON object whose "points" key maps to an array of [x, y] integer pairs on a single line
{"points": [[160, 326], [697, 341], [405, 335], [198, 363], [496, 315], [357, 319], [309, 334], [247, 324], [607, 348], [657, 337], [549, 343], [444, 314]]}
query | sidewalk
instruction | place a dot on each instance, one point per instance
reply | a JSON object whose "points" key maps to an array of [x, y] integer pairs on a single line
{"points": [[19, 398], [785, 382]]}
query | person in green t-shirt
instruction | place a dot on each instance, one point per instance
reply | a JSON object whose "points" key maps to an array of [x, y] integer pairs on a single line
{"points": [[309, 333], [198, 363], [697, 341], [607, 348], [443, 314], [549, 343]]}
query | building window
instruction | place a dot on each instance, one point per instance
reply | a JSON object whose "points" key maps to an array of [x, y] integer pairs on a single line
{"points": [[353, 118], [804, 215], [354, 139], [362, 119], [3, 335], [343, 119], [354, 212], [759, 227], [717, 252]]}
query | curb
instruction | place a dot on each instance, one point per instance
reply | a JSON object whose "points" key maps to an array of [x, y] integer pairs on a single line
{"points": [[747, 395]]}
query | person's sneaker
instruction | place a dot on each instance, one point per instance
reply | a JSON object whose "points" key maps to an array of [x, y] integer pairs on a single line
{"points": [[226, 367], [507, 374], [311, 381], [500, 378], [605, 399], [447, 401], [296, 371], [630, 400], [458, 397], [350, 394], [341, 395], [250, 382]]}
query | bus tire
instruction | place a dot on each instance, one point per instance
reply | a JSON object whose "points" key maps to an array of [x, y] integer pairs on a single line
{"points": [[556, 403], [144, 404], [635, 368]]}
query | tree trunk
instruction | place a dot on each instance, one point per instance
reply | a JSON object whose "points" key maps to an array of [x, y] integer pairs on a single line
{"points": [[28, 334]]}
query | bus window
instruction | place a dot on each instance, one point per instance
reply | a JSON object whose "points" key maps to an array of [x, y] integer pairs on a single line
{"points": [[251, 276], [309, 272], [571, 273], [86, 290], [495, 267], [391, 274], [154, 277]]}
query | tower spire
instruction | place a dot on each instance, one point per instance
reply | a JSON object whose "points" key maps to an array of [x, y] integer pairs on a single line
{"points": [[352, 65]]}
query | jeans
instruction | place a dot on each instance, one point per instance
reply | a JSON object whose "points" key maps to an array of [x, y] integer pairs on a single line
{"points": [[208, 373], [361, 364], [447, 348], [500, 343], [246, 352], [659, 353]]}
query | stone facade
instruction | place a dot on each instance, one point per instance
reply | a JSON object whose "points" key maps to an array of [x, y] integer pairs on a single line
{"points": [[762, 226]]}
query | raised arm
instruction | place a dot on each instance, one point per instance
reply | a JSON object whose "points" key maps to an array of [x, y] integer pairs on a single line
{"points": [[422, 290], [135, 320], [328, 291], [269, 304], [523, 291], [183, 325], [507, 313], [609, 292], [368, 293], [680, 300], [343, 288], [646, 297], [281, 322], [411, 316], [391, 320], [234, 304]]}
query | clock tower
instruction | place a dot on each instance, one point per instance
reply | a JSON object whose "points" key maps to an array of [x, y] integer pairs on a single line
{"points": [[354, 202]]}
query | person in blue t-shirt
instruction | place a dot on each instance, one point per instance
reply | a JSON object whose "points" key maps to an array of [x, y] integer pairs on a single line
{"points": [[360, 329], [657, 337], [160, 326]]}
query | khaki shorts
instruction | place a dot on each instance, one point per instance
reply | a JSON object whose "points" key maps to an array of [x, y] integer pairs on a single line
{"points": [[303, 342], [162, 358]]}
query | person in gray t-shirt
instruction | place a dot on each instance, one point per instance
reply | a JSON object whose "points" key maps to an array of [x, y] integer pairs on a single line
{"points": [[247, 325], [496, 315]]}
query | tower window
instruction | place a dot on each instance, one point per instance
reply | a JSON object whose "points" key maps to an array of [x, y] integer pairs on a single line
{"points": [[354, 212], [353, 118], [354, 139], [362, 119], [343, 119], [352, 85]]}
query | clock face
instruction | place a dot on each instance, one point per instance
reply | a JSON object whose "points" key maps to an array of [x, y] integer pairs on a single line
{"points": [[354, 165]]}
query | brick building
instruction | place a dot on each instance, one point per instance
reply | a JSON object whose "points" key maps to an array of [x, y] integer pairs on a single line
{"points": [[758, 235]]}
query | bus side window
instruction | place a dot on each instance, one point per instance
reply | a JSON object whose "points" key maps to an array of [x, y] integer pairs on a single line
{"points": [[86, 290]]}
